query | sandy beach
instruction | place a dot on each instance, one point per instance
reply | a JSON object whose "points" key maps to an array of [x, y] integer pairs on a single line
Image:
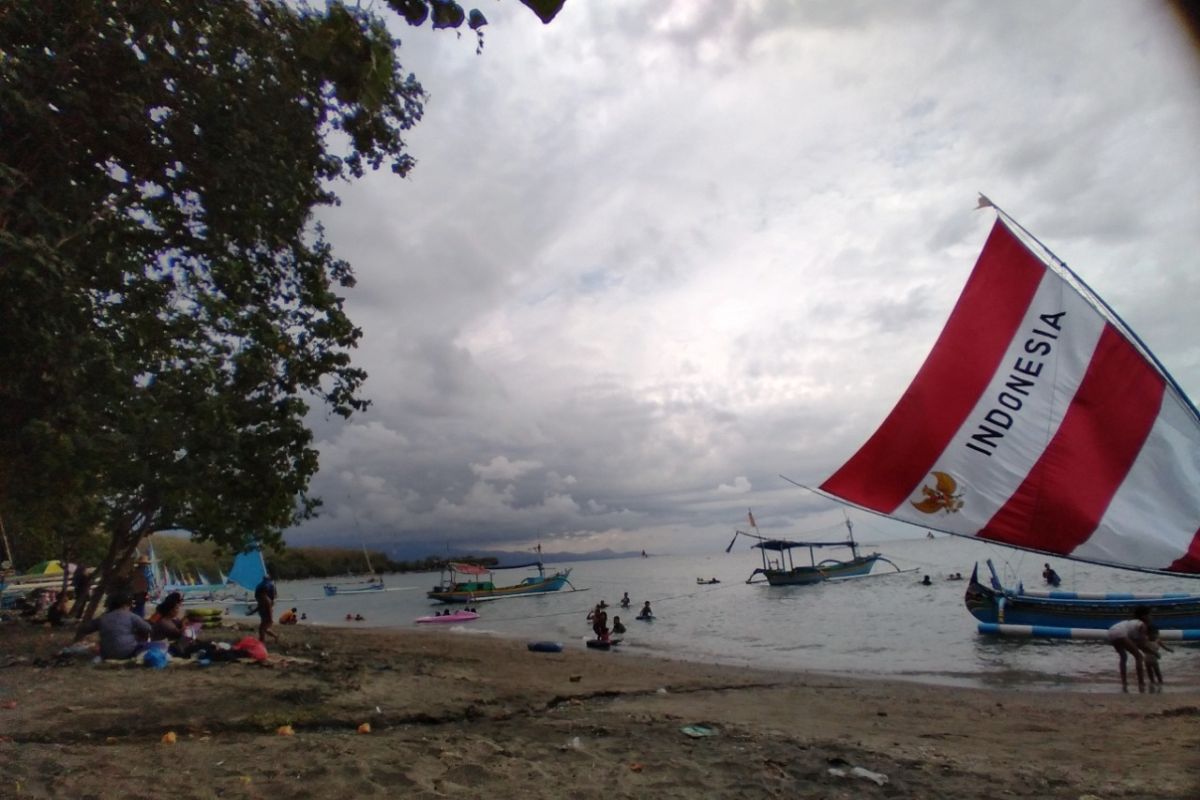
{"points": [[455, 715]]}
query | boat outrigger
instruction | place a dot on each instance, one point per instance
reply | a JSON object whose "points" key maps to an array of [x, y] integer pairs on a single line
{"points": [[778, 573], [471, 583]]}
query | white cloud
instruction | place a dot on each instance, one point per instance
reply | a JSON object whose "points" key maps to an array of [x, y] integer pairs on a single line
{"points": [[501, 469], [740, 485], [653, 245]]}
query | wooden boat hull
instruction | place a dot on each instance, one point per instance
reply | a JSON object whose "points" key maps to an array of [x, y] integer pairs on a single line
{"points": [[478, 592], [825, 571], [1068, 610]]}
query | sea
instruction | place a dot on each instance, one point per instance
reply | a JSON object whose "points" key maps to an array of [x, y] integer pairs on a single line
{"points": [[884, 625]]}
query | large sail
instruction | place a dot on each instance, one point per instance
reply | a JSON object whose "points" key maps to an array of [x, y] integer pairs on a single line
{"points": [[1039, 423]]}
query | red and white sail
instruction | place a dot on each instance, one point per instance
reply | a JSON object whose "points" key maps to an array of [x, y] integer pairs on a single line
{"points": [[1036, 422]]}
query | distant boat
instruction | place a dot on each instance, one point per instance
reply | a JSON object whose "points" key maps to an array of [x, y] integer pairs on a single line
{"points": [[373, 584], [783, 570], [469, 583], [1040, 421], [706, 581], [334, 589]]}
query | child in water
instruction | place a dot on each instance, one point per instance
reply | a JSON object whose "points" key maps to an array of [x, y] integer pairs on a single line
{"points": [[1152, 647]]}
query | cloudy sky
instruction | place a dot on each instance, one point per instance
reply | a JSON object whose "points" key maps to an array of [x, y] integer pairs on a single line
{"points": [[654, 255]]}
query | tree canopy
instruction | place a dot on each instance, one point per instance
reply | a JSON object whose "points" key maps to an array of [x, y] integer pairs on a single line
{"points": [[171, 308]]}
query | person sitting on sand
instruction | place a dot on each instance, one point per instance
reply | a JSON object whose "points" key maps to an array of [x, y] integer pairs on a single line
{"points": [[617, 627], [1152, 649], [1050, 576], [123, 634], [288, 617], [1129, 638], [645, 613], [164, 622], [625, 600]]}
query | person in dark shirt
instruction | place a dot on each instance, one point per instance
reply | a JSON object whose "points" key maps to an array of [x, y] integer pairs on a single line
{"points": [[122, 633], [264, 598]]}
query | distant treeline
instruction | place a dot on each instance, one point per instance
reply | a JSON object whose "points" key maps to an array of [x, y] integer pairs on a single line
{"points": [[293, 563]]}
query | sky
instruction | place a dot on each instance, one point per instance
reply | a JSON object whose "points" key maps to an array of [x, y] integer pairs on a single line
{"points": [[654, 256]]}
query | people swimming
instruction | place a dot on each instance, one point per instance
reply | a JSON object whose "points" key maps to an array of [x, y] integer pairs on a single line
{"points": [[646, 612], [617, 627], [625, 600], [926, 581]]}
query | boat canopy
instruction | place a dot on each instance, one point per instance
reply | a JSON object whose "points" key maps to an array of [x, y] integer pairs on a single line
{"points": [[469, 569]]}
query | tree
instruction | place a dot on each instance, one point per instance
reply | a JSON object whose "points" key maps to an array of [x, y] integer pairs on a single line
{"points": [[171, 309]]}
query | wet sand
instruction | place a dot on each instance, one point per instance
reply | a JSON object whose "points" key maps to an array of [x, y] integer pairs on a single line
{"points": [[456, 715]]}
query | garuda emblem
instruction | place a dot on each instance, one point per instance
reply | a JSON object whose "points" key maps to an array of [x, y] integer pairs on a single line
{"points": [[945, 497]]}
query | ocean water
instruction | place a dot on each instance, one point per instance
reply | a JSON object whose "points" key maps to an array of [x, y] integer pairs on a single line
{"points": [[886, 625]]}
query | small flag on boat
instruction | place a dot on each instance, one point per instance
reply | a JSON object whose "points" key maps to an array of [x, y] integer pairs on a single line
{"points": [[750, 514]]}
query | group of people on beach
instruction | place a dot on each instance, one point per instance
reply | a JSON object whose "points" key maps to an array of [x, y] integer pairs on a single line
{"points": [[125, 634]]}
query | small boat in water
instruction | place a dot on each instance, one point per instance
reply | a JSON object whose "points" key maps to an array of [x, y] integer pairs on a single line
{"points": [[706, 581], [996, 605], [470, 583], [333, 589], [372, 584], [1040, 421], [783, 571]]}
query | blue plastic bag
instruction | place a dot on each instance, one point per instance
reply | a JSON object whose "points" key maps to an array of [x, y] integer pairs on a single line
{"points": [[155, 658]]}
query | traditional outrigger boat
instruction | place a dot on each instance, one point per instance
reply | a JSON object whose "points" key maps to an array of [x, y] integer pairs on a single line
{"points": [[1040, 421], [471, 583], [995, 605], [783, 571]]}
